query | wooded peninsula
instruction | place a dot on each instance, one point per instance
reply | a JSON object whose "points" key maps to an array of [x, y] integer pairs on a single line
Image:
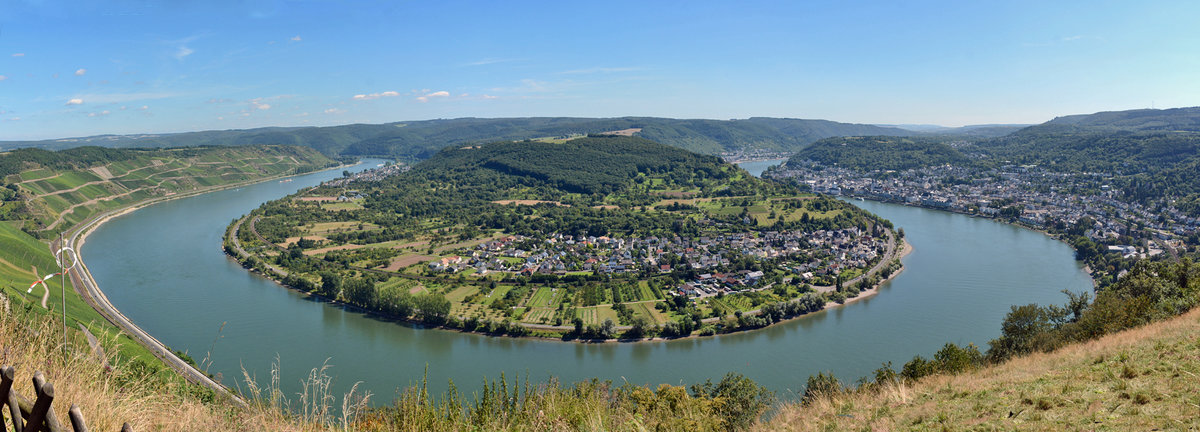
{"points": [[594, 238]]}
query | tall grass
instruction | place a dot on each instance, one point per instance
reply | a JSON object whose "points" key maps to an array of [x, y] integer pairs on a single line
{"points": [[126, 391], [150, 398]]}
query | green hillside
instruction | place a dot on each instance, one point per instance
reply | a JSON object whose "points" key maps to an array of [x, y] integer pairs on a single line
{"points": [[50, 191], [43, 193], [881, 153], [18, 258], [421, 139]]}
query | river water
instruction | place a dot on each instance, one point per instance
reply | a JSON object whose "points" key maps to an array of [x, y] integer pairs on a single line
{"points": [[163, 267]]}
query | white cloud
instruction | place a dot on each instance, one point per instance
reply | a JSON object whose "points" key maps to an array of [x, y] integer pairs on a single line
{"points": [[75, 101], [597, 70], [14, 119], [18, 55], [296, 38], [261, 106], [80, 72], [487, 96], [334, 111], [117, 98], [435, 94], [376, 95], [2, 77], [144, 107], [488, 61], [183, 52], [99, 114]]}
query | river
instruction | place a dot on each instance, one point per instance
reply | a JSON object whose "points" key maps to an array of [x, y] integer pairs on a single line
{"points": [[163, 267]]}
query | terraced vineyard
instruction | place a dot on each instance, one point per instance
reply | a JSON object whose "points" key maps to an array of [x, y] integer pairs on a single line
{"points": [[49, 192]]}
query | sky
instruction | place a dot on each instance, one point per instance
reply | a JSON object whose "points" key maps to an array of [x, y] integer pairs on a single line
{"points": [[81, 68]]}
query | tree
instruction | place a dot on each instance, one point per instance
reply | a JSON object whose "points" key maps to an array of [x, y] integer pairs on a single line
{"points": [[607, 329], [819, 386], [359, 291], [737, 399], [433, 308], [1019, 331], [331, 284]]}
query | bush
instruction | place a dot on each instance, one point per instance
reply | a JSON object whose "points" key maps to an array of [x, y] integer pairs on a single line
{"points": [[819, 386]]}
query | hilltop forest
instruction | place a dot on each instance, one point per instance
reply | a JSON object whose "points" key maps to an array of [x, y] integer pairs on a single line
{"points": [[418, 140]]}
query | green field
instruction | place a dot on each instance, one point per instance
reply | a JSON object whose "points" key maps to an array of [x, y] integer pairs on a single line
{"points": [[21, 252], [145, 174], [544, 297]]}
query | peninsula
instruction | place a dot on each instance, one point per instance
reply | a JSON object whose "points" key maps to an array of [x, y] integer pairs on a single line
{"points": [[594, 238]]}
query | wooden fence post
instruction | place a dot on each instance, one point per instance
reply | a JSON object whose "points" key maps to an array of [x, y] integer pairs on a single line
{"points": [[37, 415], [77, 423], [51, 420], [8, 398]]}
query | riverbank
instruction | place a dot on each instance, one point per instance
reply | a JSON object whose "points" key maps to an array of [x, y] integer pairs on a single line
{"points": [[89, 290], [889, 263], [1014, 223]]}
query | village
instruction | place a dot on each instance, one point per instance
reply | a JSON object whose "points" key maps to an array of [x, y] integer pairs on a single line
{"points": [[1031, 195], [710, 264]]}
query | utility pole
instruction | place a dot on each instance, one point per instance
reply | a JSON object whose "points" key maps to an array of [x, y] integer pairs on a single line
{"points": [[61, 258]]}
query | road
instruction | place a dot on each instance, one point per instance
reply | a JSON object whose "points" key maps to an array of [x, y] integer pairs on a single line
{"points": [[87, 288]]}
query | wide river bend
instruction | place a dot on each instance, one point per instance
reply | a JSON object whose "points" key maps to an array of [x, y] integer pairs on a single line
{"points": [[163, 267]]}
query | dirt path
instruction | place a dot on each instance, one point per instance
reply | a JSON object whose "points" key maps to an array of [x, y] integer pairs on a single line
{"points": [[95, 344], [40, 179], [63, 191], [62, 216]]}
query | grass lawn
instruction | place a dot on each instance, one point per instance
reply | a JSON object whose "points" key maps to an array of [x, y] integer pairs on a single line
{"points": [[648, 311], [597, 314], [462, 292], [644, 291], [544, 297]]}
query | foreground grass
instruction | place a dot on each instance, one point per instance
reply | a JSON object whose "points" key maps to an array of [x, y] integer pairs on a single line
{"points": [[126, 391], [1147, 378], [1141, 379]]}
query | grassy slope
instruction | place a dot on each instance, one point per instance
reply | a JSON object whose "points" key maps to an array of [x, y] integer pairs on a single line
{"points": [[78, 194], [1146, 378], [19, 253]]}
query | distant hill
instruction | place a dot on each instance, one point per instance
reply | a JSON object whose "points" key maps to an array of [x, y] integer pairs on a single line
{"points": [[1142, 120], [977, 131], [421, 139], [880, 153]]}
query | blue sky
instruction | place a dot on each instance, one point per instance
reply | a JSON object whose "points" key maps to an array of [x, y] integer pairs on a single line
{"points": [[82, 68]]}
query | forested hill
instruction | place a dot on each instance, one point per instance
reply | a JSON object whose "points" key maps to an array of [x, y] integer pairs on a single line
{"points": [[880, 153], [595, 165], [421, 139], [1167, 120]]}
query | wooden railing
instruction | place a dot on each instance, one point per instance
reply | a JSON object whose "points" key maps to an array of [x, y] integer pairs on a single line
{"points": [[36, 415]]}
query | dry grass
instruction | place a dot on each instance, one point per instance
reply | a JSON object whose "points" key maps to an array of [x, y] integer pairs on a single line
{"points": [[1146, 378], [125, 392]]}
